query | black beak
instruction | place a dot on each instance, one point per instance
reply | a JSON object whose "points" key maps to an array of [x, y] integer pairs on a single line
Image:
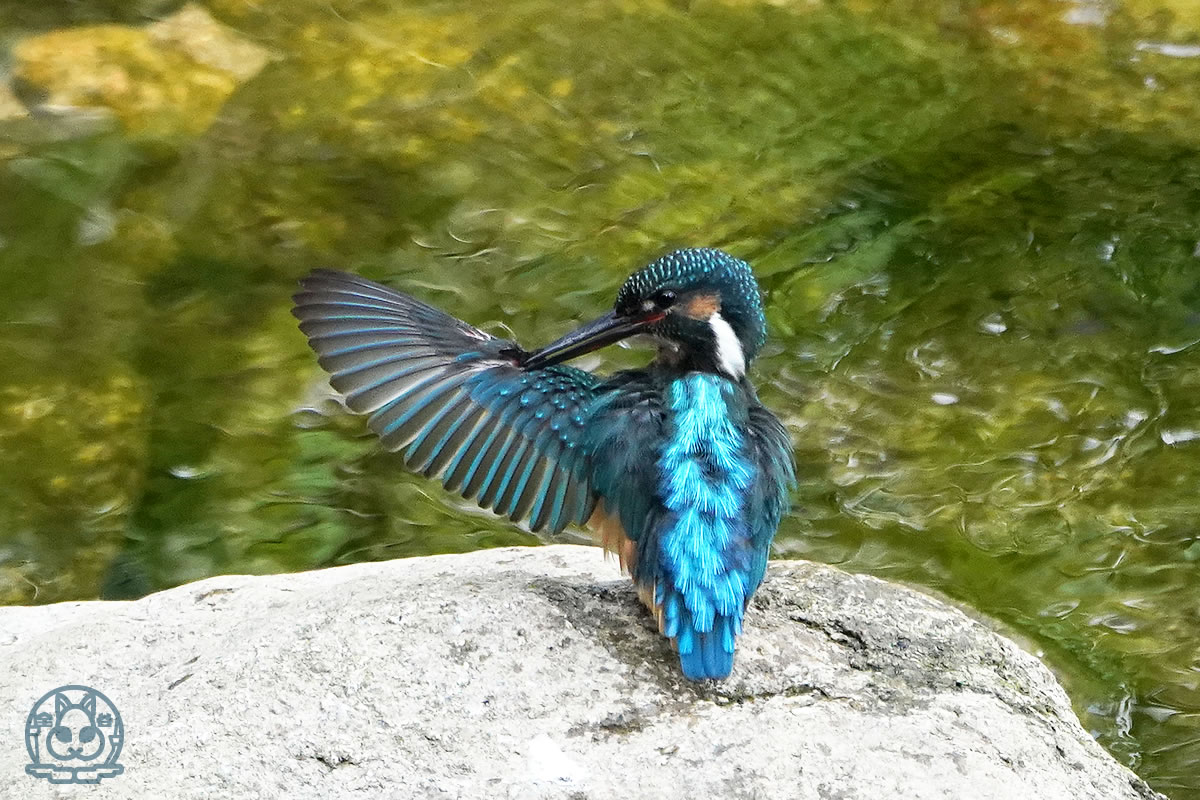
{"points": [[610, 328]]}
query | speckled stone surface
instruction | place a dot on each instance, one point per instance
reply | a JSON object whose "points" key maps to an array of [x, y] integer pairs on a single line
{"points": [[534, 673]]}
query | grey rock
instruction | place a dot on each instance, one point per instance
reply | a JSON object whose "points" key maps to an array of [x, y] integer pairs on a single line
{"points": [[534, 673]]}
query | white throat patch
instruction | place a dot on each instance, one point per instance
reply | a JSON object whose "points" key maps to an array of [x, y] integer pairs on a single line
{"points": [[729, 350]]}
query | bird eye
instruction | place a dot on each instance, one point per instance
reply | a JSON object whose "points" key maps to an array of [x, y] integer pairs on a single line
{"points": [[664, 298]]}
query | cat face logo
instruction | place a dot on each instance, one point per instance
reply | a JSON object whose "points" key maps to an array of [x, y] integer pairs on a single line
{"points": [[74, 734]]}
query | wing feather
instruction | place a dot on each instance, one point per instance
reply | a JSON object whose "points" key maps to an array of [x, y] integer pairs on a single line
{"points": [[479, 440], [453, 400], [423, 451]]}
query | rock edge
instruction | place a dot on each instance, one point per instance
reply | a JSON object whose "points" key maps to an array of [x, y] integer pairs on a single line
{"points": [[534, 673]]}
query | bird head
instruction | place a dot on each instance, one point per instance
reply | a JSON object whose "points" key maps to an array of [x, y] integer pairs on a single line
{"points": [[702, 305]]}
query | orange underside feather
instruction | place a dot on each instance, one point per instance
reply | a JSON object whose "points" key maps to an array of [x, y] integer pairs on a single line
{"points": [[611, 534]]}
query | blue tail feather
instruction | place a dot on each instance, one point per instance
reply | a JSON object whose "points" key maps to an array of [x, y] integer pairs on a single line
{"points": [[711, 653], [703, 655]]}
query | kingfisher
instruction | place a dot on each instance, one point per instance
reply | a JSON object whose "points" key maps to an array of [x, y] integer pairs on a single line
{"points": [[677, 467]]}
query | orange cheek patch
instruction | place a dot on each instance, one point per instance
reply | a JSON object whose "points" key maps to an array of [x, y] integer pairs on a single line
{"points": [[702, 306]]}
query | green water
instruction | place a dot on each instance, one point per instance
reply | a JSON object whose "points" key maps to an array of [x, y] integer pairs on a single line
{"points": [[977, 224]]}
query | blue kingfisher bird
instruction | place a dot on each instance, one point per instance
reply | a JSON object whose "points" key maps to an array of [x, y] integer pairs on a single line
{"points": [[680, 470]]}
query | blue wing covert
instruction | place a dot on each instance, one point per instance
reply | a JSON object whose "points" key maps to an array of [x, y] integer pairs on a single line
{"points": [[454, 400]]}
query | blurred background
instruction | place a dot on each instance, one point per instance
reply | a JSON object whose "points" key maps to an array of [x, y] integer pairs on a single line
{"points": [[977, 225]]}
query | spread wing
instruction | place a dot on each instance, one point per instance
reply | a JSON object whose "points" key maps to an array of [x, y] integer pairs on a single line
{"points": [[454, 400]]}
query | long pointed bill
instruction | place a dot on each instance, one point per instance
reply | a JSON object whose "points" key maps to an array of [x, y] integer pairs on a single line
{"points": [[592, 336]]}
